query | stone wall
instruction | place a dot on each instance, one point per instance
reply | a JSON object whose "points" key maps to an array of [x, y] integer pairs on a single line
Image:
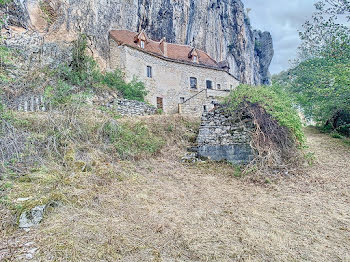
{"points": [[194, 106], [29, 102], [35, 103], [32, 104], [202, 101], [223, 136], [170, 80], [132, 108]]}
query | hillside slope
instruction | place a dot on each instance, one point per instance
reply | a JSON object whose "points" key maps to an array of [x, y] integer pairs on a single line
{"points": [[160, 209]]}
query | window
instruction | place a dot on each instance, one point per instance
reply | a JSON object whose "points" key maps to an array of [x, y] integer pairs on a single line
{"points": [[195, 59], [149, 71], [142, 44], [205, 108], [209, 84], [182, 100], [193, 82], [231, 87], [218, 86]]}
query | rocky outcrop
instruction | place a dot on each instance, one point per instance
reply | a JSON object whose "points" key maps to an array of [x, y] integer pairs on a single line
{"points": [[34, 52], [220, 27], [264, 53]]}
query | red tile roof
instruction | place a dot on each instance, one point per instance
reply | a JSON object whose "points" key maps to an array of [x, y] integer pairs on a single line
{"points": [[175, 51]]}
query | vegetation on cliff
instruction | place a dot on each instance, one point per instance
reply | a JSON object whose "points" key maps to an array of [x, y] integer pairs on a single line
{"points": [[82, 74]]}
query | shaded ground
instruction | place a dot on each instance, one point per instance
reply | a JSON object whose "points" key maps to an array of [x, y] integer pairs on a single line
{"points": [[163, 210]]}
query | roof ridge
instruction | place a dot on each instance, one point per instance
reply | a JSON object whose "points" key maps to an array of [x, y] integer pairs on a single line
{"points": [[154, 46]]}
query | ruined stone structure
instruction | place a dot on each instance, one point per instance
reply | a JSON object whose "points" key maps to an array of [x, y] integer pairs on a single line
{"points": [[178, 78], [224, 136]]}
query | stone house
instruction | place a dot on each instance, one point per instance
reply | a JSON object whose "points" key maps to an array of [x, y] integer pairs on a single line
{"points": [[178, 78]]}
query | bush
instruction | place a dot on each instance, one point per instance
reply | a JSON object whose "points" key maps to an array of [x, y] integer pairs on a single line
{"points": [[84, 74], [277, 126], [135, 90], [133, 140], [275, 101], [336, 135], [61, 94]]}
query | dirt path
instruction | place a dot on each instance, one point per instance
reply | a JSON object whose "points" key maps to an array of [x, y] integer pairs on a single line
{"points": [[163, 210]]}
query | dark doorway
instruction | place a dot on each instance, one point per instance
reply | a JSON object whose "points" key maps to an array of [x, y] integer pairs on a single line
{"points": [[160, 103]]}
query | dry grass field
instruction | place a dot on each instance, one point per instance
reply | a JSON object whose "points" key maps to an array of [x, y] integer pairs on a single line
{"points": [[164, 210]]}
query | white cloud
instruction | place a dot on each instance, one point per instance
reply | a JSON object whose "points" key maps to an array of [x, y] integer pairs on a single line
{"points": [[283, 19]]}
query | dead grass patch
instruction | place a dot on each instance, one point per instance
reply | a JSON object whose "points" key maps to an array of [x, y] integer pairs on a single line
{"points": [[159, 209]]}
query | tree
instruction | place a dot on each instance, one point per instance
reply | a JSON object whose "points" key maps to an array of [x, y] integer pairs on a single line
{"points": [[325, 34], [320, 79]]}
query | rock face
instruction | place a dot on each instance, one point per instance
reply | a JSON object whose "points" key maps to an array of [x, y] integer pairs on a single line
{"points": [[223, 136], [34, 52], [220, 27]]}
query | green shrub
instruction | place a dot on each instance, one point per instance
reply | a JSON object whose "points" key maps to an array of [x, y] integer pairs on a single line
{"points": [[133, 140], [344, 130], [2, 108], [60, 94], [135, 90], [274, 101], [336, 135], [83, 70], [84, 74]]}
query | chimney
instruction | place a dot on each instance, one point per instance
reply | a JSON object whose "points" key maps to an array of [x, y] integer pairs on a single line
{"points": [[164, 47]]}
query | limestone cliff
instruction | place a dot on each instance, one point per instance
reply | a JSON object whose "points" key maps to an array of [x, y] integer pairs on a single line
{"points": [[220, 27]]}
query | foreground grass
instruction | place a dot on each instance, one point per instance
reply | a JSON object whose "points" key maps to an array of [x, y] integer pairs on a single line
{"points": [[71, 156], [159, 209]]}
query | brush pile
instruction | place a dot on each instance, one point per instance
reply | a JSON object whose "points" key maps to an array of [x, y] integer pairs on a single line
{"points": [[274, 145]]}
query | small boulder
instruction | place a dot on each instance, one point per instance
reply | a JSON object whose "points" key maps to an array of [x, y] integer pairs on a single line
{"points": [[31, 218], [190, 158]]}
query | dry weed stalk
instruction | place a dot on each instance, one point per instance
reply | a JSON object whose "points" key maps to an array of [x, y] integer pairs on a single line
{"points": [[12, 145], [273, 144]]}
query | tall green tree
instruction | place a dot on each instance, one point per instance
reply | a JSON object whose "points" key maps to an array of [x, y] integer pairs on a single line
{"points": [[320, 80]]}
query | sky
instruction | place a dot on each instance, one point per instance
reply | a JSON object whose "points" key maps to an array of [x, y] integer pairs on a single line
{"points": [[283, 19]]}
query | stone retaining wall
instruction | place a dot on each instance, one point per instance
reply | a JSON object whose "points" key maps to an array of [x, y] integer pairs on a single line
{"points": [[132, 108], [223, 136], [34, 103]]}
